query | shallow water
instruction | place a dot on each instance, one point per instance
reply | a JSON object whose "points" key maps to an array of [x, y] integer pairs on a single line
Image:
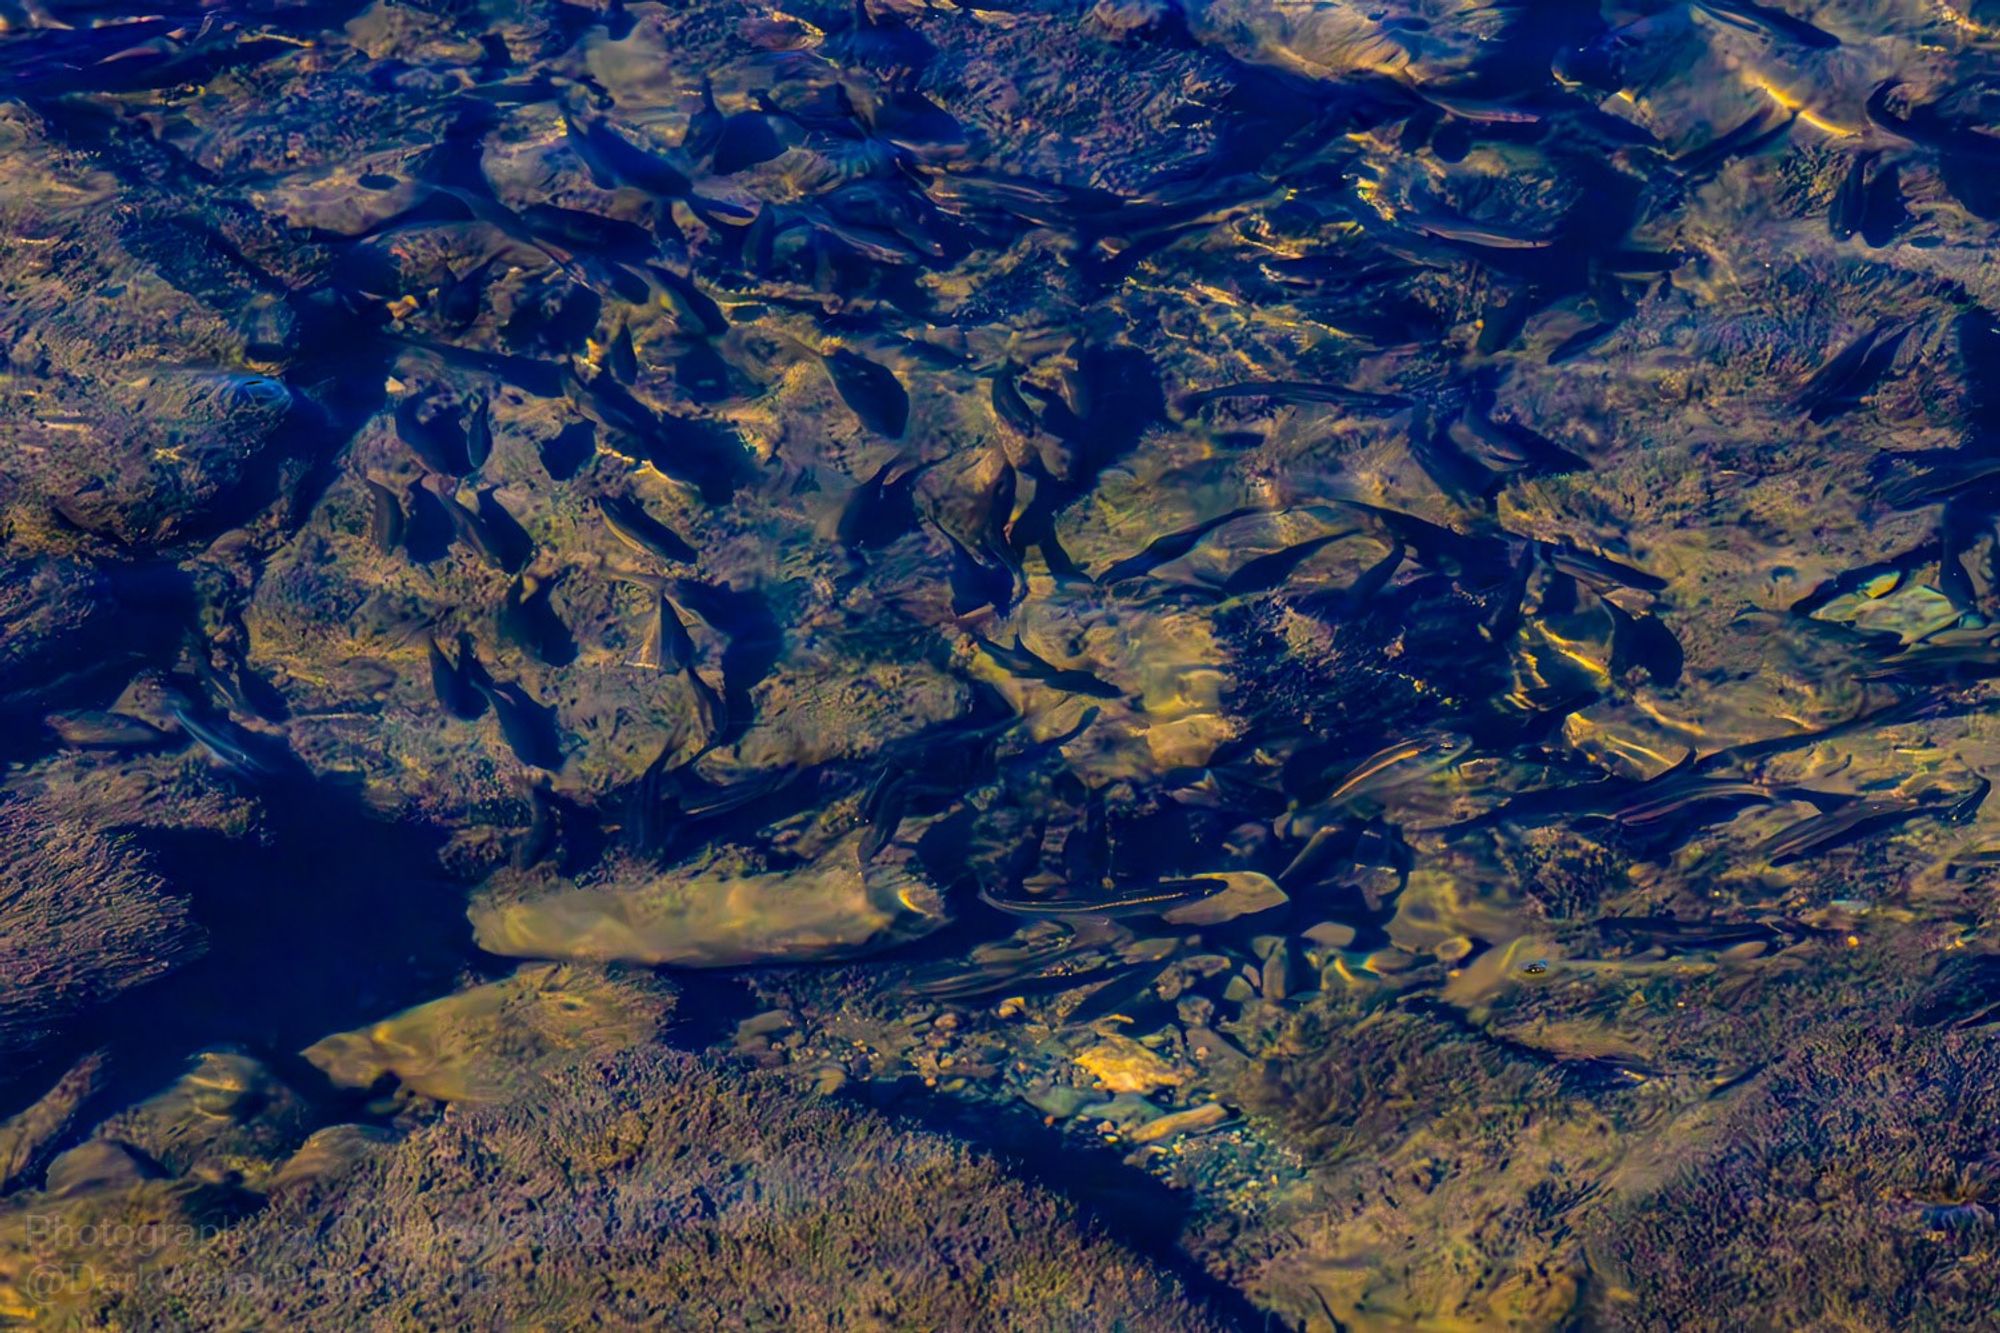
{"points": [[1337, 656]]}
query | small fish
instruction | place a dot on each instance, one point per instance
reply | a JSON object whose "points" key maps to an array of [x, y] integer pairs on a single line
{"points": [[871, 391], [1598, 572], [1162, 550], [1270, 571], [975, 583], [453, 683], [881, 509], [667, 645], [1399, 764], [230, 744], [1818, 832], [478, 433], [1839, 386], [459, 297], [621, 358], [1769, 21], [427, 533], [631, 524], [526, 725], [1296, 391], [692, 307], [1019, 661], [527, 620], [1009, 407], [613, 161], [468, 528], [439, 441], [385, 517], [504, 533], [1156, 900], [84, 730]]}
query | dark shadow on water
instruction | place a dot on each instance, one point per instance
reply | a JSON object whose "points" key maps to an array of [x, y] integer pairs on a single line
{"points": [[333, 920]]}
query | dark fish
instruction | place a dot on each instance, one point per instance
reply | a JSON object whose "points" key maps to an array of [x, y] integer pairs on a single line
{"points": [[527, 620], [1507, 446], [469, 529], [667, 645], [529, 727], [1010, 407], [1963, 522], [975, 583], [573, 446], [691, 305], [1135, 998], [1870, 203], [744, 140], [453, 683], [1162, 550], [881, 509], [504, 533], [702, 374], [1645, 642], [613, 161], [609, 239], [478, 433], [1019, 661], [711, 715], [705, 455], [621, 358], [427, 532], [1911, 480], [630, 523], [1270, 571], [437, 440], [1153, 901], [1295, 391], [459, 297], [385, 517], [1839, 386], [704, 127], [1818, 832], [871, 391], [1598, 572], [1769, 21]]}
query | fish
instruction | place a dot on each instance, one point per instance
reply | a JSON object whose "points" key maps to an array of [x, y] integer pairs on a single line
{"points": [[871, 391], [437, 440], [460, 297], [1163, 550], [527, 620], [88, 730], [453, 682], [1839, 386], [613, 161], [1399, 764], [526, 725], [1019, 661], [478, 433], [1009, 407], [691, 305], [711, 713], [1295, 391], [1769, 21], [504, 533], [621, 358], [975, 583], [385, 517], [428, 528], [1154, 900], [629, 522], [1266, 572], [470, 529], [667, 645], [233, 747], [882, 508], [707, 456], [1599, 572], [1829, 828]]}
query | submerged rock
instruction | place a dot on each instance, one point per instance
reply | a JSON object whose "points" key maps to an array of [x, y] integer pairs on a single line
{"points": [[836, 906]]}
